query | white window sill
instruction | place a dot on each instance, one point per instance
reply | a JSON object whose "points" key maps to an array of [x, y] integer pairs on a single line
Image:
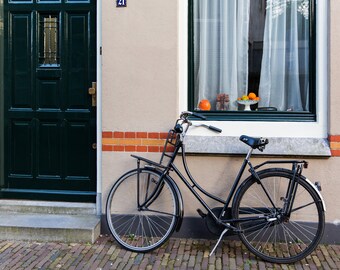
{"points": [[196, 144]]}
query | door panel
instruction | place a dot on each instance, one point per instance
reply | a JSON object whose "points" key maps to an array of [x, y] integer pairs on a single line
{"points": [[78, 61], [21, 160], [21, 61], [78, 162], [49, 150], [48, 93], [50, 124]]}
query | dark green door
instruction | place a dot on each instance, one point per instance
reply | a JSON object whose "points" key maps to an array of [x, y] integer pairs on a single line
{"points": [[50, 121]]}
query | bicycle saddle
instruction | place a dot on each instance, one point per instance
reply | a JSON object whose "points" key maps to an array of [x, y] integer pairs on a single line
{"points": [[255, 143]]}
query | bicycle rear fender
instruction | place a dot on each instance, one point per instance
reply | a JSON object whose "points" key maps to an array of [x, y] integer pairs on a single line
{"points": [[317, 191], [289, 172]]}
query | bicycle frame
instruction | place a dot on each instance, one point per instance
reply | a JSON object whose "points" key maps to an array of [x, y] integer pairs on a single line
{"points": [[267, 210], [191, 184]]}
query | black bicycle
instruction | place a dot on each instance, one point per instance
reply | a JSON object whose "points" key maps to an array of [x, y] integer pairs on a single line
{"points": [[278, 213]]}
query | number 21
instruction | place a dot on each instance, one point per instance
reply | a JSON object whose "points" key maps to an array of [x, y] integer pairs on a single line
{"points": [[121, 2]]}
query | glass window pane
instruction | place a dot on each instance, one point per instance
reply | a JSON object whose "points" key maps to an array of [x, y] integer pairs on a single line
{"points": [[251, 52], [49, 32]]}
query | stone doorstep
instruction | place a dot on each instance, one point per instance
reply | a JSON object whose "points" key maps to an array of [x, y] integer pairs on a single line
{"points": [[44, 227], [48, 221], [44, 207]]}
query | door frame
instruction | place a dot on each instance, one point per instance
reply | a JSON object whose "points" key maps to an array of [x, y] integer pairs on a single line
{"points": [[99, 106], [2, 119]]}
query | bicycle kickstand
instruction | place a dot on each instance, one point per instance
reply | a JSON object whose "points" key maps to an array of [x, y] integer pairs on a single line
{"points": [[218, 241]]}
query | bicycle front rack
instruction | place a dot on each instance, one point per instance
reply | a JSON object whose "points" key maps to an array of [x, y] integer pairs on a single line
{"points": [[168, 153], [169, 147]]}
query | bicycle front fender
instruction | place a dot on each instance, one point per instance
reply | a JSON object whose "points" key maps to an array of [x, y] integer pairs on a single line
{"points": [[180, 203]]}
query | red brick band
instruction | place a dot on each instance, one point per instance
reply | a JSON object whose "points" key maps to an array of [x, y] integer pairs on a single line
{"points": [[334, 141], [119, 141]]}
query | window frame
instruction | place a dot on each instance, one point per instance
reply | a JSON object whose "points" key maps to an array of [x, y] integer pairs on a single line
{"points": [[256, 115]]}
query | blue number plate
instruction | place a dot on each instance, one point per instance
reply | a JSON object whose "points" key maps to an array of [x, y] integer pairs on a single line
{"points": [[121, 3]]}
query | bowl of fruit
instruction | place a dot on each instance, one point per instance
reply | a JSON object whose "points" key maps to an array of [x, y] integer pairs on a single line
{"points": [[248, 100]]}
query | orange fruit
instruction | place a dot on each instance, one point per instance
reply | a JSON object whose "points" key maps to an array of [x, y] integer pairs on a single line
{"points": [[257, 98], [204, 105], [252, 96]]}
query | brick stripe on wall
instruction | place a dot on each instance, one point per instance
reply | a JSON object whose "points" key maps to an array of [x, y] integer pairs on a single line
{"points": [[119, 141], [334, 141]]}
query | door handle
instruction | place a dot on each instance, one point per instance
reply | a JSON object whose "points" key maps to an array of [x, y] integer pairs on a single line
{"points": [[93, 93]]}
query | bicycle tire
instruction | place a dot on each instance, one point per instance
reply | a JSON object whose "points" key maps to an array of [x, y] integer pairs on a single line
{"points": [[137, 229], [279, 239]]}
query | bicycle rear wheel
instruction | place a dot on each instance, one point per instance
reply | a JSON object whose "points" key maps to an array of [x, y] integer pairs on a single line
{"points": [[134, 226], [277, 238]]}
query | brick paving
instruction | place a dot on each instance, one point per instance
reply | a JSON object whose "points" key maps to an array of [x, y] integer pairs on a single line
{"points": [[176, 254]]}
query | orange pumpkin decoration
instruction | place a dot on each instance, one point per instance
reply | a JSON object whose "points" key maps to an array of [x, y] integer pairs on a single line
{"points": [[204, 105]]}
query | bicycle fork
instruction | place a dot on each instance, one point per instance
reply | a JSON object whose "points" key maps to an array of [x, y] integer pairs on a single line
{"points": [[151, 194]]}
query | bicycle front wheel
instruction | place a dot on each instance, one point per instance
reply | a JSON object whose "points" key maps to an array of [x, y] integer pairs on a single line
{"points": [[138, 226], [268, 233]]}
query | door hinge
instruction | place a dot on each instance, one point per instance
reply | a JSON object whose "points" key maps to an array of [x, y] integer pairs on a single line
{"points": [[94, 146]]}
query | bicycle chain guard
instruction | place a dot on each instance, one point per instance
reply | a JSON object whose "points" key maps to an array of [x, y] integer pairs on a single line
{"points": [[211, 224]]}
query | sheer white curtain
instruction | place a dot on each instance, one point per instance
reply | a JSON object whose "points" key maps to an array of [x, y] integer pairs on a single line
{"points": [[221, 49], [285, 62]]}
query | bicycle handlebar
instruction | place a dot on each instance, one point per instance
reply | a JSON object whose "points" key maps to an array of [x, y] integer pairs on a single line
{"points": [[184, 116], [216, 129]]}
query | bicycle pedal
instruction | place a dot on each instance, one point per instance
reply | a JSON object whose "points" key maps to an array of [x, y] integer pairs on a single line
{"points": [[200, 212]]}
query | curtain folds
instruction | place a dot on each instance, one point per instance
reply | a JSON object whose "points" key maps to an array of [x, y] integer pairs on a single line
{"points": [[221, 49], [284, 80], [221, 34]]}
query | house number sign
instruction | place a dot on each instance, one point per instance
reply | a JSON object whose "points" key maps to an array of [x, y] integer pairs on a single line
{"points": [[121, 3]]}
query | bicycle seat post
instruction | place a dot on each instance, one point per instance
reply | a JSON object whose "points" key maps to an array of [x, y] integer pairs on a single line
{"points": [[250, 151]]}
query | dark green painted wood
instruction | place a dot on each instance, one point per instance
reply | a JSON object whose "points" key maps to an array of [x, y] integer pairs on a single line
{"points": [[50, 124], [2, 168]]}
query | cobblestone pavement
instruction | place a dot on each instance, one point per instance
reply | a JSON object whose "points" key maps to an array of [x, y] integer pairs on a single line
{"points": [[176, 254]]}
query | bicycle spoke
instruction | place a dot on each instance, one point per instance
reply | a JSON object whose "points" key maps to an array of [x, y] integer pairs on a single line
{"points": [[159, 212], [139, 229], [283, 239], [295, 234]]}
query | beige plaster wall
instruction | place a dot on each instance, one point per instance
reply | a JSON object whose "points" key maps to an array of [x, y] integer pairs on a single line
{"points": [[139, 65], [216, 174], [334, 67], [140, 93]]}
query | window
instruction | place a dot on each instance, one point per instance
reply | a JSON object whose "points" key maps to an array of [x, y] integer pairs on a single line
{"points": [[49, 31], [259, 51]]}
